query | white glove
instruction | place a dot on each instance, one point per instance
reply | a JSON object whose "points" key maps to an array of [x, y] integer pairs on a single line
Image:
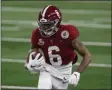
{"points": [[36, 64], [74, 78]]}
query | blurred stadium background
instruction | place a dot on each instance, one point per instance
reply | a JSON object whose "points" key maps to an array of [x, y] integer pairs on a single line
{"points": [[93, 20]]}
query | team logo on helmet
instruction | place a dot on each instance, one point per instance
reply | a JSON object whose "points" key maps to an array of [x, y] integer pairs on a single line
{"points": [[64, 34], [41, 42]]}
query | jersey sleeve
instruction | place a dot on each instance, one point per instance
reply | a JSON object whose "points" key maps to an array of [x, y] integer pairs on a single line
{"points": [[34, 39], [74, 33]]}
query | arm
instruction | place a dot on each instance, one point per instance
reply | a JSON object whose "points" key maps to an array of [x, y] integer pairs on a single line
{"points": [[34, 46], [34, 60], [84, 52]]}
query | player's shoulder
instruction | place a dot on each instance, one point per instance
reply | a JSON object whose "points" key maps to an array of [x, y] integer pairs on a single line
{"points": [[69, 31], [35, 32]]}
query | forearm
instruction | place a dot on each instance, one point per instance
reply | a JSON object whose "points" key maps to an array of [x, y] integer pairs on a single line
{"points": [[84, 64]]}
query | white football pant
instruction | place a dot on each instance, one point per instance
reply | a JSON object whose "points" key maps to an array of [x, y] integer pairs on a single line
{"points": [[55, 77], [47, 81]]}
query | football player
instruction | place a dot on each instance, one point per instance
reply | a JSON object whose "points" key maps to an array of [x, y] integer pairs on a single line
{"points": [[56, 46]]}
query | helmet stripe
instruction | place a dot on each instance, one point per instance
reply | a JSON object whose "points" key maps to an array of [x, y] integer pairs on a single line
{"points": [[44, 11]]}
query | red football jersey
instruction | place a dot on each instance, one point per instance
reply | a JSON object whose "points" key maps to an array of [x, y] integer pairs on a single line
{"points": [[58, 48]]}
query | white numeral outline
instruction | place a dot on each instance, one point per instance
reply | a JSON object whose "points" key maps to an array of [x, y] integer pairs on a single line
{"points": [[56, 56]]}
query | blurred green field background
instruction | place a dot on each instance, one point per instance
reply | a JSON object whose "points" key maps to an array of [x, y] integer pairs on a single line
{"points": [[93, 20]]}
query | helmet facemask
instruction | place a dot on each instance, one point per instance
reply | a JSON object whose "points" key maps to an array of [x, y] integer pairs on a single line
{"points": [[48, 28]]}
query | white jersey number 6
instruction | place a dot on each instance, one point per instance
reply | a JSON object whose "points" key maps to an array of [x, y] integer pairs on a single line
{"points": [[53, 57]]}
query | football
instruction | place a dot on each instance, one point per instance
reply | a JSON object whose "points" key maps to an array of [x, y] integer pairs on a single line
{"points": [[33, 56], [35, 53]]}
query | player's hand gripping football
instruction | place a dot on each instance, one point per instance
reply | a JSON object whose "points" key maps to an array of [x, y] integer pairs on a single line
{"points": [[74, 78], [36, 63]]}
